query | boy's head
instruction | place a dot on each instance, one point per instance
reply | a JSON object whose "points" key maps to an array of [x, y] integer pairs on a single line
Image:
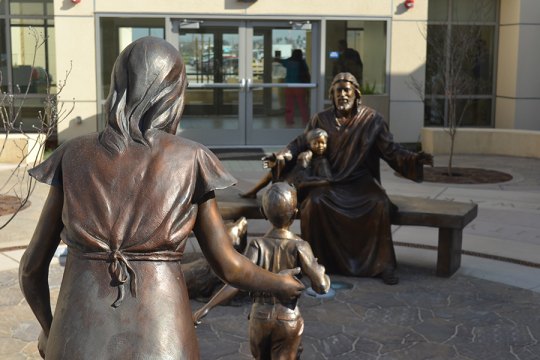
{"points": [[279, 204], [317, 139]]}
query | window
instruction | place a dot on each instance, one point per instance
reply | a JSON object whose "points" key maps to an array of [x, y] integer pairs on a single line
{"points": [[358, 47], [116, 34], [3, 56], [33, 68], [460, 65], [27, 57]]}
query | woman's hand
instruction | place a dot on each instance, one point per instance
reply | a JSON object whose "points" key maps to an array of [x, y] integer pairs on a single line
{"points": [[291, 287]]}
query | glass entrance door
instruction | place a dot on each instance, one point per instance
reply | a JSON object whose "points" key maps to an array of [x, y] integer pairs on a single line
{"points": [[215, 103], [281, 92], [249, 82]]}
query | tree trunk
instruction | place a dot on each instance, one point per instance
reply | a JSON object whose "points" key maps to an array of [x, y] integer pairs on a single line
{"points": [[450, 158]]}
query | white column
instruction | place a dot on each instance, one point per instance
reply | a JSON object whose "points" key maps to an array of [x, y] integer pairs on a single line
{"points": [[407, 61], [518, 79], [76, 49]]}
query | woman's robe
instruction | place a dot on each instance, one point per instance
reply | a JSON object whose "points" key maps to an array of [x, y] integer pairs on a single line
{"points": [[127, 217]]}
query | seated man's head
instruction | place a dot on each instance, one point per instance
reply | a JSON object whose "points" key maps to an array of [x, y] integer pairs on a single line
{"points": [[317, 139], [279, 204], [345, 93]]}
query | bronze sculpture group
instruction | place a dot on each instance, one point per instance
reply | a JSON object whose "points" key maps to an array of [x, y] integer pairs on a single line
{"points": [[125, 200], [275, 327]]}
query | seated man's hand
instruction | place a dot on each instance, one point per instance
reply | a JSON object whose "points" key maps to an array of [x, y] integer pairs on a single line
{"points": [[269, 161], [277, 161], [425, 158], [278, 158]]}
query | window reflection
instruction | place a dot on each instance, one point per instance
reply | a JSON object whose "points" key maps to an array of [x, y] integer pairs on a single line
{"points": [[116, 34], [22, 7], [460, 63], [358, 47], [31, 70], [281, 56], [211, 56], [3, 57]]}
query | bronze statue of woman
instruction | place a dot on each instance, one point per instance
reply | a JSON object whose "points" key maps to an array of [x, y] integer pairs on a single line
{"points": [[124, 201]]}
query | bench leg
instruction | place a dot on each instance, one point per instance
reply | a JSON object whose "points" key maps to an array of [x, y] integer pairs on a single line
{"points": [[449, 253]]}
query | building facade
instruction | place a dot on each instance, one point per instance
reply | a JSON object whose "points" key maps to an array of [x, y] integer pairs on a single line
{"points": [[243, 90]]}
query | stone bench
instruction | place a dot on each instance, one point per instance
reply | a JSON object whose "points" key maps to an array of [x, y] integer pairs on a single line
{"points": [[448, 216]]}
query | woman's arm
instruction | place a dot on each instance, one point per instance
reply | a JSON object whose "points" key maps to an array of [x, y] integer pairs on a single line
{"points": [[233, 267], [34, 266]]}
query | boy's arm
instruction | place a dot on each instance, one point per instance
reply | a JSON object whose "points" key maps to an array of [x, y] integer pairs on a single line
{"points": [[320, 282]]}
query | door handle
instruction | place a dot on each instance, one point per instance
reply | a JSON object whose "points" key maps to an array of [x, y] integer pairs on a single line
{"points": [[242, 83]]}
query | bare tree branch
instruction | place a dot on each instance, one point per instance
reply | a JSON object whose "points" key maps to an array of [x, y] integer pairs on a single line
{"points": [[452, 52], [19, 183]]}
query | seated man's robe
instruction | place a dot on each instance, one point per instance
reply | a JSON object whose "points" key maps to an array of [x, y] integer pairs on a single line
{"points": [[347, 222]]}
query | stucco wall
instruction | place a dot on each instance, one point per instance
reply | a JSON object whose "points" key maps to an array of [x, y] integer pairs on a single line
{"points": [[507, 142], [76, 46], [76, 55], [518, 83]]}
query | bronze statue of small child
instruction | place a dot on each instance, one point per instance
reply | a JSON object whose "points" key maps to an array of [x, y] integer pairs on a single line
{"points": [[275, 328], [312, 167]]}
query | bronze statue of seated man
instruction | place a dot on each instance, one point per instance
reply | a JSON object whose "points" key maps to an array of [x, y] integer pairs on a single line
{"points": [[347, 220]]}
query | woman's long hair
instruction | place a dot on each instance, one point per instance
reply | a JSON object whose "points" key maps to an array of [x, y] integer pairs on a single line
{"points": [[148, 82]]}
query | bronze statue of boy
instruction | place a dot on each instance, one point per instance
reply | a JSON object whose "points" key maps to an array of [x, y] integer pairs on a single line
{"points": [[275, 326]]}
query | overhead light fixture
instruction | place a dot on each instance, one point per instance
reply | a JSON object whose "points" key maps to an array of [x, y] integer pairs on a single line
{"points": [[300, 25], [190, 24]]}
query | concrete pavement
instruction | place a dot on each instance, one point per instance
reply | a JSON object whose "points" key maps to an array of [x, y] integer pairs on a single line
{"points": [[487, 310]]}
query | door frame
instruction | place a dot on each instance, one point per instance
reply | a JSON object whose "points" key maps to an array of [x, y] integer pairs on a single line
{"points": [[280, 136], [245, 135], [219, 137]]}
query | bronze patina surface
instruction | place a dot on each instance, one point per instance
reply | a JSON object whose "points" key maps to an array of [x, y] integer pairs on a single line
{"points": [[347, 222], [276, 327], [124, 201]]}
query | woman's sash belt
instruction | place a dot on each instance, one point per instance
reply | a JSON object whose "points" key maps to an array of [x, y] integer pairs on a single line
{"points": [[120, 269]]}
